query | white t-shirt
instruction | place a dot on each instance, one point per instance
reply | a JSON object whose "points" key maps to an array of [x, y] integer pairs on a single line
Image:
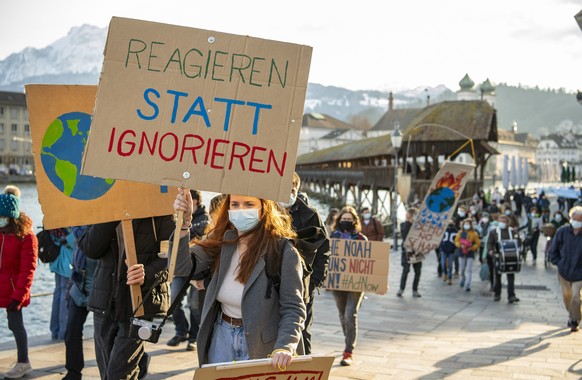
{"points": [[231, 291]]}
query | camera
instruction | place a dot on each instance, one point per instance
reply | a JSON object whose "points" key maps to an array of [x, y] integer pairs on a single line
{"points": [[144, 330]]}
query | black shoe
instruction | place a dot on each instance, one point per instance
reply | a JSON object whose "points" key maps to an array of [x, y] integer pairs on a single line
{"points": [[176, 341], [573, 325], [143, 365], [513, 299], [496, 297]]}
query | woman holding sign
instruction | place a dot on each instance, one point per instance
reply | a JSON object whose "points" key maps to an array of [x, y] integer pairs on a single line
{"points": [[347, 226], [245, 315]]}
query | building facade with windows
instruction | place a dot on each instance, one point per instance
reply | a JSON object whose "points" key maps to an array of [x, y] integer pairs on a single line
{"points": [[15, 139]]}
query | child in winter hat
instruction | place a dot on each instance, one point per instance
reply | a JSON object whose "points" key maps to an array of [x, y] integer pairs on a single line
{"points": [[10, 202]]}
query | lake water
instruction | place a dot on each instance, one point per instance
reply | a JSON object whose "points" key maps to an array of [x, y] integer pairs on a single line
{"points": [[37, 314]]}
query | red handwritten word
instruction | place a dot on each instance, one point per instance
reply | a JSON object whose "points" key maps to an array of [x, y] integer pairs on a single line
{"points": [[217, 153], [285, 375]]}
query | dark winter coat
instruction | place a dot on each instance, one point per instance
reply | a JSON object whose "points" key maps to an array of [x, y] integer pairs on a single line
{"points": [[566, 253], [111, 295]]}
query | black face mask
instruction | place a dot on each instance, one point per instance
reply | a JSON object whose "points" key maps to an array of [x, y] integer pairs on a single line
{"points": [[347, 226]]}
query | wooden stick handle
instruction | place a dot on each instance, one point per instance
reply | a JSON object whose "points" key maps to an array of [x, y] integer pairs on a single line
{"points": [[130, 254], [175, 243]]}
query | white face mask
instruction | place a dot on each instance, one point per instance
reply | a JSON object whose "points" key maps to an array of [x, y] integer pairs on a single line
{"points": [[485, 220], [244, 219], [558, 218], [292, 200], [367, 215], [467, 227], [576, 224], [4, 221], [462, 214], [507, 212], [502, 225]]}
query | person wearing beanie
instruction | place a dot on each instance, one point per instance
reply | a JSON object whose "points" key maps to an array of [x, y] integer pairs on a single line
{"points": [[17, 265]]}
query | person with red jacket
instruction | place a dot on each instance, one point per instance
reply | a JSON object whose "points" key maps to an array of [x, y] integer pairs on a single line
{"points": [[17, 265]]}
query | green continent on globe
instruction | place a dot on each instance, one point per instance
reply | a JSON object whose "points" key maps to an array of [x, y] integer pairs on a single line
{"points": [[67, 171]]}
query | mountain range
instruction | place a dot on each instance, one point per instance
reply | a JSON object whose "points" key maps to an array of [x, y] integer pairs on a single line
{"points": [[77, 58]]}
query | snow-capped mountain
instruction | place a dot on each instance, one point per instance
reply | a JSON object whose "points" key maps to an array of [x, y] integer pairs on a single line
{"points": [[75, 58]]}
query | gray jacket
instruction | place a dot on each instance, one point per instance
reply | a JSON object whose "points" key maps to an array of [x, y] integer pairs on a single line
{"points": [[269, 323]]}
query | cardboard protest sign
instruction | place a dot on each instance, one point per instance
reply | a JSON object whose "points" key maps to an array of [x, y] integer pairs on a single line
{"points": [[60, 119], [358, 266], [436, 209], [302, 367], [198, 109]]}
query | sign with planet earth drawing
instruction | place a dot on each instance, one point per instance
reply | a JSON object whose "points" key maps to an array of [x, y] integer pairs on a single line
{"points": [[60, 120], [436, 210]]}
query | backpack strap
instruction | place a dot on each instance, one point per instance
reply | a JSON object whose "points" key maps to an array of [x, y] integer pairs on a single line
{"points": [[273, 278]]}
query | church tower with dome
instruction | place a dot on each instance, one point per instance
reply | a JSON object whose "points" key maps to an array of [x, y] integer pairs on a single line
{"points": [[468, 91]]}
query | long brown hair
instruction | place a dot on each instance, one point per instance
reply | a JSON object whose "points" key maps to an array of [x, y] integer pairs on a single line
{"points": [[348, 210], [19, 227], [264, 238]]}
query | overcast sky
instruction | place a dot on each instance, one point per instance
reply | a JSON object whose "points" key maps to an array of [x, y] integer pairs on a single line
{"points": [[382, 44]]}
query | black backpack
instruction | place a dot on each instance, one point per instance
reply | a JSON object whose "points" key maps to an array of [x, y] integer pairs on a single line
{"points": [[307, 243], [48, 251]]}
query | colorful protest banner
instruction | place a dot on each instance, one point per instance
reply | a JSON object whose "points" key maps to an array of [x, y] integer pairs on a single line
{"points": [[302, 368], [198, 109], [60, 119], [436, 209], [358, 266]]}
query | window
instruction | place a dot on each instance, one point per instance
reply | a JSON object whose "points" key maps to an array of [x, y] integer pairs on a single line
{"points": [[1, 111], [14, 146], [27, 130], [13, 113], [1, 127], [14, 128], [2, 145]]}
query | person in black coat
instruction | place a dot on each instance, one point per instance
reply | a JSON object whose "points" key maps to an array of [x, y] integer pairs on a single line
{"points": [[313, 244], [120, 356], [404, 229]]}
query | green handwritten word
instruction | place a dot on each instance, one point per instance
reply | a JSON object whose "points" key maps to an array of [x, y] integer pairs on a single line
{"points": [[194, 63], [359, 283]]}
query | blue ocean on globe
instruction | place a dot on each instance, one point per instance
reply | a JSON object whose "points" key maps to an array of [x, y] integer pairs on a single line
{"points": [[440, 199], [62, 153]]}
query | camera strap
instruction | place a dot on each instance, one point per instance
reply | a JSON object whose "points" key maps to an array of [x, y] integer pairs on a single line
{"points": [[177, 300]]}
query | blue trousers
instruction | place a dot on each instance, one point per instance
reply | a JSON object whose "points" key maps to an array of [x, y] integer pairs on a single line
{"points": [[59, 311]]}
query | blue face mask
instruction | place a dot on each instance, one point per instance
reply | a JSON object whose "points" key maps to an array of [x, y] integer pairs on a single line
{"points": [[244, 219], [4, 222]]}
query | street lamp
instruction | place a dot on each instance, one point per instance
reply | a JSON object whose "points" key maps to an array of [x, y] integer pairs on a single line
{"points": [[396, 139]]}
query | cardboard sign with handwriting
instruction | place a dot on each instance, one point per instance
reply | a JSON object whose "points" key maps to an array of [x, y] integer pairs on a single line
{"points": [[302, 367], [60, 119], [198, 109], [358, 266]]}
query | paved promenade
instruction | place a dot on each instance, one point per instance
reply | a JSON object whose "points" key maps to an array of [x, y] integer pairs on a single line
{"points": [[446, 334]]}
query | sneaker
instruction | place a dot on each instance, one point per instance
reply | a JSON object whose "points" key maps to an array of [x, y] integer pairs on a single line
{"points": [[346, 359], [191, 346], [18, 370], [497, 297], [462, 283], [445, 279], [513, 299], [416, 294], [176, 340], [399, 293], [468, 289], [574, 325], [450, 282]]}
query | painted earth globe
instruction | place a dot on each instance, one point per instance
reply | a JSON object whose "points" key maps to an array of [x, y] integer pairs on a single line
{"points": [[440, 199], [62, 153]]}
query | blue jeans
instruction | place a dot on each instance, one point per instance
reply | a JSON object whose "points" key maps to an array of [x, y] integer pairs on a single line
{"points": [[16, 325], [466, 270], [447, 264], [58, 324], [228, 343]]}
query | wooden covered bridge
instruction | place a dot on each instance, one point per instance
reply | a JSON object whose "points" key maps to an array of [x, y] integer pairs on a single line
{"points": [[362, 172]]}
